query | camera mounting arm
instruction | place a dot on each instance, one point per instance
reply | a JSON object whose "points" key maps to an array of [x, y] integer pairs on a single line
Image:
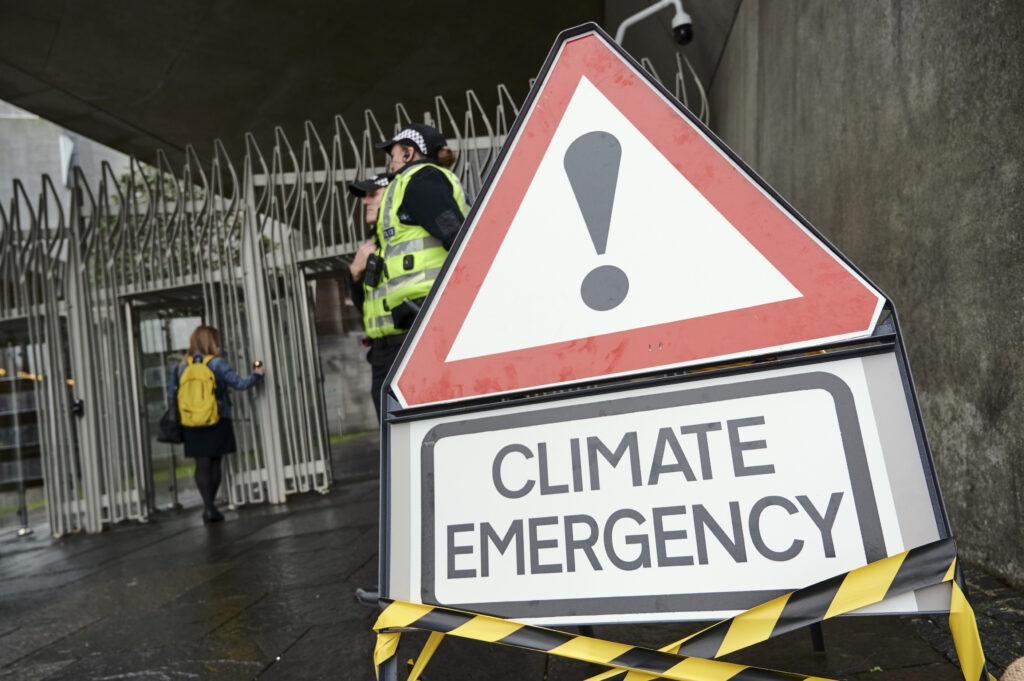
{"points": [[682, 24]]}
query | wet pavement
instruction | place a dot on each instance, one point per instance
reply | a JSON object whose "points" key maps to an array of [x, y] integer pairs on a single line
{"points": [[268, 595]]}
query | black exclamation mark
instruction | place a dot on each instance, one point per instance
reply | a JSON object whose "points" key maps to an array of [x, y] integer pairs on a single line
{"points": [[592, 164]]}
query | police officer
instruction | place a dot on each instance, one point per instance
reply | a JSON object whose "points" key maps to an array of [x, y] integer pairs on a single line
{"points": [[418, 215], [370, 191]]}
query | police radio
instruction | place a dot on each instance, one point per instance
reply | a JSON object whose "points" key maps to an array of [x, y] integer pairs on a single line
{"points": [[374, 270]]}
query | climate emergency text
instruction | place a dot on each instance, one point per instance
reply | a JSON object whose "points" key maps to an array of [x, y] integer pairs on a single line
{"points": [[635, 537]]}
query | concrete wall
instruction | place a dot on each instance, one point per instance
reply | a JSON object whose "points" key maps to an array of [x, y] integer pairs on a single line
{"points": [[31, 146], [897, 129]]}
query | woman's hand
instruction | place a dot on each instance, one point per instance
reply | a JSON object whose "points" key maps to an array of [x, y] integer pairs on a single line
{"points": [[259, 370]]}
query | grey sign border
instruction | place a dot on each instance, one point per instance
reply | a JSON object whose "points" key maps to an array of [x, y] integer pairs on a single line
{"points": [[853, 446]]}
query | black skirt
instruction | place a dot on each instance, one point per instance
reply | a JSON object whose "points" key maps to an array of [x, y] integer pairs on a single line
{"points": [[210, 441]]}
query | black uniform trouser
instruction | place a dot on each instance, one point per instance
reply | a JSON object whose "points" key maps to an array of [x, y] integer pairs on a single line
{"points": [[381, 357]]}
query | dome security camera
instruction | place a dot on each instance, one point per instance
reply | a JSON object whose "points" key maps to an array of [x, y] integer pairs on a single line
{"points": [[682, 23], [682, 27]]}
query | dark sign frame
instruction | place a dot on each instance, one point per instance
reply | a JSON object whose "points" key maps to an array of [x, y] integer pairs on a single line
{"points": [[887, 336]]}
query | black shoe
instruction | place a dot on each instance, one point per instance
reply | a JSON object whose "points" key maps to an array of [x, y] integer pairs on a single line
{"points": [[368, 597], [212, 515]]}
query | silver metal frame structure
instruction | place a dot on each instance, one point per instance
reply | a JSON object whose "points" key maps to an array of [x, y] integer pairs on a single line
{"points": [[243, 242]]}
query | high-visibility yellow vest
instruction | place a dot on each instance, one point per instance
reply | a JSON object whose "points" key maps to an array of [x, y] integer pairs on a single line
{"points": [[412, 257]]}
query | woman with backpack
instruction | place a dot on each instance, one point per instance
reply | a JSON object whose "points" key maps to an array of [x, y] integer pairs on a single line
{"points": [[199, 386]]}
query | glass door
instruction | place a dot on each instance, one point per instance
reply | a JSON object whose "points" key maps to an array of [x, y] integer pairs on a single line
{"points": [[164, 335]]}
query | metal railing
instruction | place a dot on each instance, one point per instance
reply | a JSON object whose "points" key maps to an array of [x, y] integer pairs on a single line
{"points": [[243, 242]]}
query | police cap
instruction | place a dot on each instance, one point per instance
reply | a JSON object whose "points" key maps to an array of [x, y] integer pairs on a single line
{"points": [[425, 139], [370, 184]]}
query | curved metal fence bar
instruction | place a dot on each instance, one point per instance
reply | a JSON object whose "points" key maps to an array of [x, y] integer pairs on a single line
{"points": [[239, 244]]}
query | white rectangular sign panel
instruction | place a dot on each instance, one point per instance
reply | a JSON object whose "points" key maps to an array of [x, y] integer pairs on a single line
{"points": [[694, 500]]}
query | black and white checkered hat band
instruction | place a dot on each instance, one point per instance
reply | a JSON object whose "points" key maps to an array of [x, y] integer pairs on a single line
{"points": [[380, 180], [414, 137]]}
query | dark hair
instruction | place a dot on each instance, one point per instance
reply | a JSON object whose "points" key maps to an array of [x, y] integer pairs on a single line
{"points": [[445, 156], [442, 156]]}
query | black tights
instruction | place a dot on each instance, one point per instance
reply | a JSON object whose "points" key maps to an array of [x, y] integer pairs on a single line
{"points": [[208, 475]]}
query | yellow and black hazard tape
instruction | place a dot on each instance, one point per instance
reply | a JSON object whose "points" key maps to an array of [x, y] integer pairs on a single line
{"points": [[914, 569], [651, 663], [694, 656], [965, 635], [917, 568]]}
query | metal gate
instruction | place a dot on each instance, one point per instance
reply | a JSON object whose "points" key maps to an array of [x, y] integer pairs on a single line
{"points": [[243, 243]]}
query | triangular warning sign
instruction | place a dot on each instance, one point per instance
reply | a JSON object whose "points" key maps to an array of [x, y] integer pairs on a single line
{"points": [[616, 235]]}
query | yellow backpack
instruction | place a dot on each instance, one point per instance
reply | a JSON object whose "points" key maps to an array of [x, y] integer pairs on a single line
{"points": [[197, 402]]}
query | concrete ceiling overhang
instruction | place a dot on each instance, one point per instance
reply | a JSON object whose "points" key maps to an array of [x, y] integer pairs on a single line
{"points": [[142, 75]]}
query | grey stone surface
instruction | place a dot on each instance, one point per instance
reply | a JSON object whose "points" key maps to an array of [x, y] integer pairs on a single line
{"points": [[897, 129], [268, 595]]}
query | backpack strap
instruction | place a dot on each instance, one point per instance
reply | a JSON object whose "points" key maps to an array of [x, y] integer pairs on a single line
{"points": [[206, 360]]}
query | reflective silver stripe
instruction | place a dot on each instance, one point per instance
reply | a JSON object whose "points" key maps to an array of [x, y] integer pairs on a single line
{"points": [[382, 320], [389, 198], [412, 246], [404, 280], [414, 278]]}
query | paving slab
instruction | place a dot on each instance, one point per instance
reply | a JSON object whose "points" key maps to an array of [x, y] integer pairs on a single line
{"points": [[267, 595]]}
